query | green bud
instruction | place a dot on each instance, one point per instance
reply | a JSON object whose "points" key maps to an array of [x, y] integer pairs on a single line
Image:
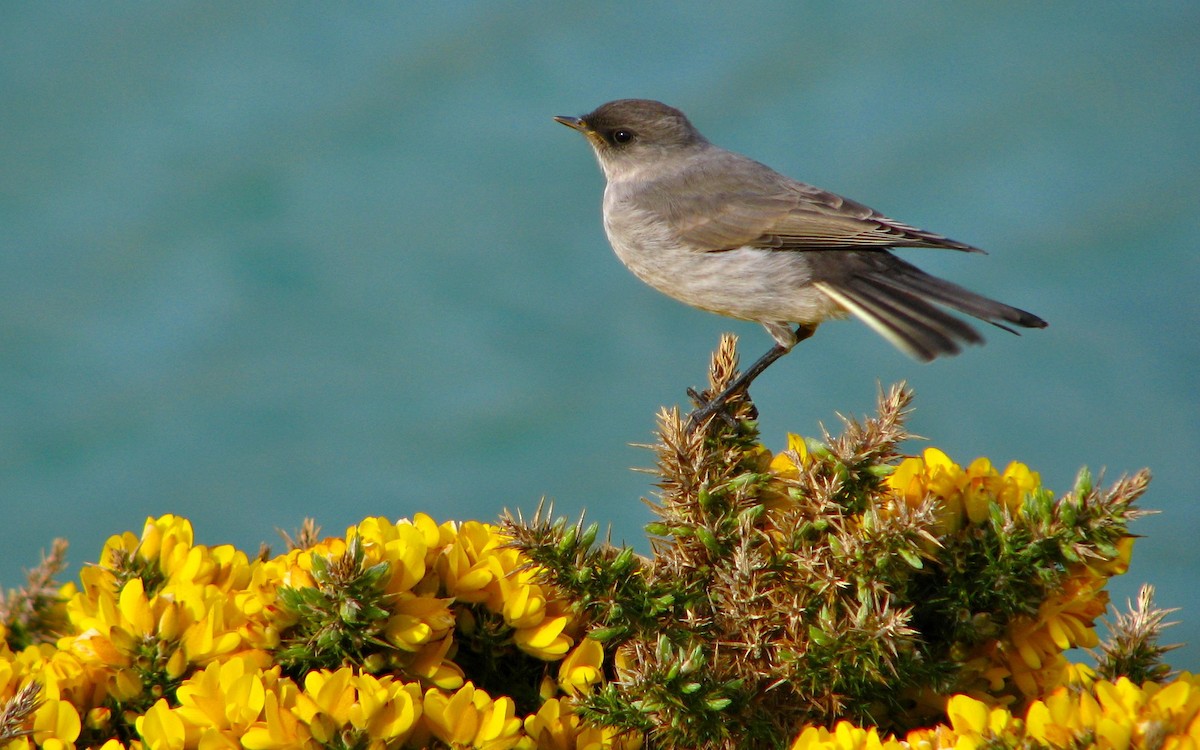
{"points": [[753, 513], [623, 562], [911, 557], [607, 634], [1084, 483], [589, 535], [350, 611], [818, 636], [566, 545], [709, 540]]}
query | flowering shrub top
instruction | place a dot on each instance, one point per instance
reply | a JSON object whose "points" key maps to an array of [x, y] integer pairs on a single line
{"points": [[835, 594], [355, 641]]}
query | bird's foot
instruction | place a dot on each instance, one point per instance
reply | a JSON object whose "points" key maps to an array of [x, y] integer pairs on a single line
{"points": [[719, 406]]}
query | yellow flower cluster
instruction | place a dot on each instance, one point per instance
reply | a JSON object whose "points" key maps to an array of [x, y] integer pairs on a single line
{"points": [[477, 567], [1031, 653], [963, 495], [173, 643], [1029, 657], [234, 703], [1116, 715]]}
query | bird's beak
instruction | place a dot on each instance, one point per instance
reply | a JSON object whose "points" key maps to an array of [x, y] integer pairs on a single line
{"points": [[575, 123]]}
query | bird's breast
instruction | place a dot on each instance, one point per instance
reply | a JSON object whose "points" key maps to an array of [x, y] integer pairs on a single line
{"points": [[747, 283]]}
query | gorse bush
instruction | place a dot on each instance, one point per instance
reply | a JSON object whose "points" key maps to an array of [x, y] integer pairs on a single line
{"points": [[835, 593]]}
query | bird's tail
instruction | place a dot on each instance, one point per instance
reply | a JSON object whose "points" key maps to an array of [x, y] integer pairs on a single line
{"points": [[901, 303]]}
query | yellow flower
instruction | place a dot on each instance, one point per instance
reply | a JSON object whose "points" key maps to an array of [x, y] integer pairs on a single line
{"points": [[161, 728], [975, 720], [278, 727], [224, 699], [164, 545], [325, 703], [845, 736], [417, 620], [432, 665], [1031, 651], [466, 568], [1079, 676], [381, 709], [386, 710], [1120, 714], [556, 727], [402, 545], [470, 718], [150, 633], [581, 669], [477, 568], [787, 463], [56, 720], [546, 640], [436, 536], [961, 494]]}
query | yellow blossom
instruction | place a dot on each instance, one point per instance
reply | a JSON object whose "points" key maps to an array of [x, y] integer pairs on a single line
{"points": [[471, 718], [161, 728], [379, 708], [386, 710], [581, 669], [223, 699], [975, 719], [961, 494], [56, 720], [278, 727], [845, 736], [417, 620], [1120, 714], [547, 640], [478, 568], [164, 543], [465, 567], [788, 463], [556, 727], [402, 545], [325, 703], [432, 665], [1031, 652]]}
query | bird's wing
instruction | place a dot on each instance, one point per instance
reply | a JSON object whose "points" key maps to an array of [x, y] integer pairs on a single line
{"points": [[735, 202]]}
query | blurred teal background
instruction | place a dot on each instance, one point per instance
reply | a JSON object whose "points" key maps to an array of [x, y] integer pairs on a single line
{"points": [[262, 261]]}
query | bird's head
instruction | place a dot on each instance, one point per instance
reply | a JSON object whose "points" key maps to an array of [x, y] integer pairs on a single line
{"points": [[633, 134]]}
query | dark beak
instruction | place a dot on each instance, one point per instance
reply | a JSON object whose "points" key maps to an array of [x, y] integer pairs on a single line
{"points": [[574, 123]]}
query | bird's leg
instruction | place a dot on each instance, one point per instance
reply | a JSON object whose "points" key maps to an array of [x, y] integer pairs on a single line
{"points": [[742, 382]]}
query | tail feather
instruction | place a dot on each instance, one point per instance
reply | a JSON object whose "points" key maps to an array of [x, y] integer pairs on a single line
{"points": [[909, 278], [908, 322], [899, 301]]}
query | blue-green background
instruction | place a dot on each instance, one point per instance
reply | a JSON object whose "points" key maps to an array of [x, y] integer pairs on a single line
{"points": [[262, 261]]}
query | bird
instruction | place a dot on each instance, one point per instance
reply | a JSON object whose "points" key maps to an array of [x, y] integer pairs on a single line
{"points": [[727, 234]]}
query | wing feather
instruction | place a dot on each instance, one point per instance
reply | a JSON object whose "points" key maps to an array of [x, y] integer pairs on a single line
{"points": [[730, 201]]}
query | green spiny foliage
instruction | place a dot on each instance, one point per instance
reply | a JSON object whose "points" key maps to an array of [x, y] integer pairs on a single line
{"points": [[772, 602], [1132, 649], [340, 621], [608, 586]]}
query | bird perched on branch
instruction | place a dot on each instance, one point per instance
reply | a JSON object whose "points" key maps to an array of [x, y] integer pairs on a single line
{"points": [[727, 234]]}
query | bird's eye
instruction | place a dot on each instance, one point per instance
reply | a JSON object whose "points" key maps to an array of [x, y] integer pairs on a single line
{"points": [[622, 136]]}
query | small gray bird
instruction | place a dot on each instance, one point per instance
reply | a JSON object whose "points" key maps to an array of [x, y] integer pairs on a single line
{"points": [[727, 234]]}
